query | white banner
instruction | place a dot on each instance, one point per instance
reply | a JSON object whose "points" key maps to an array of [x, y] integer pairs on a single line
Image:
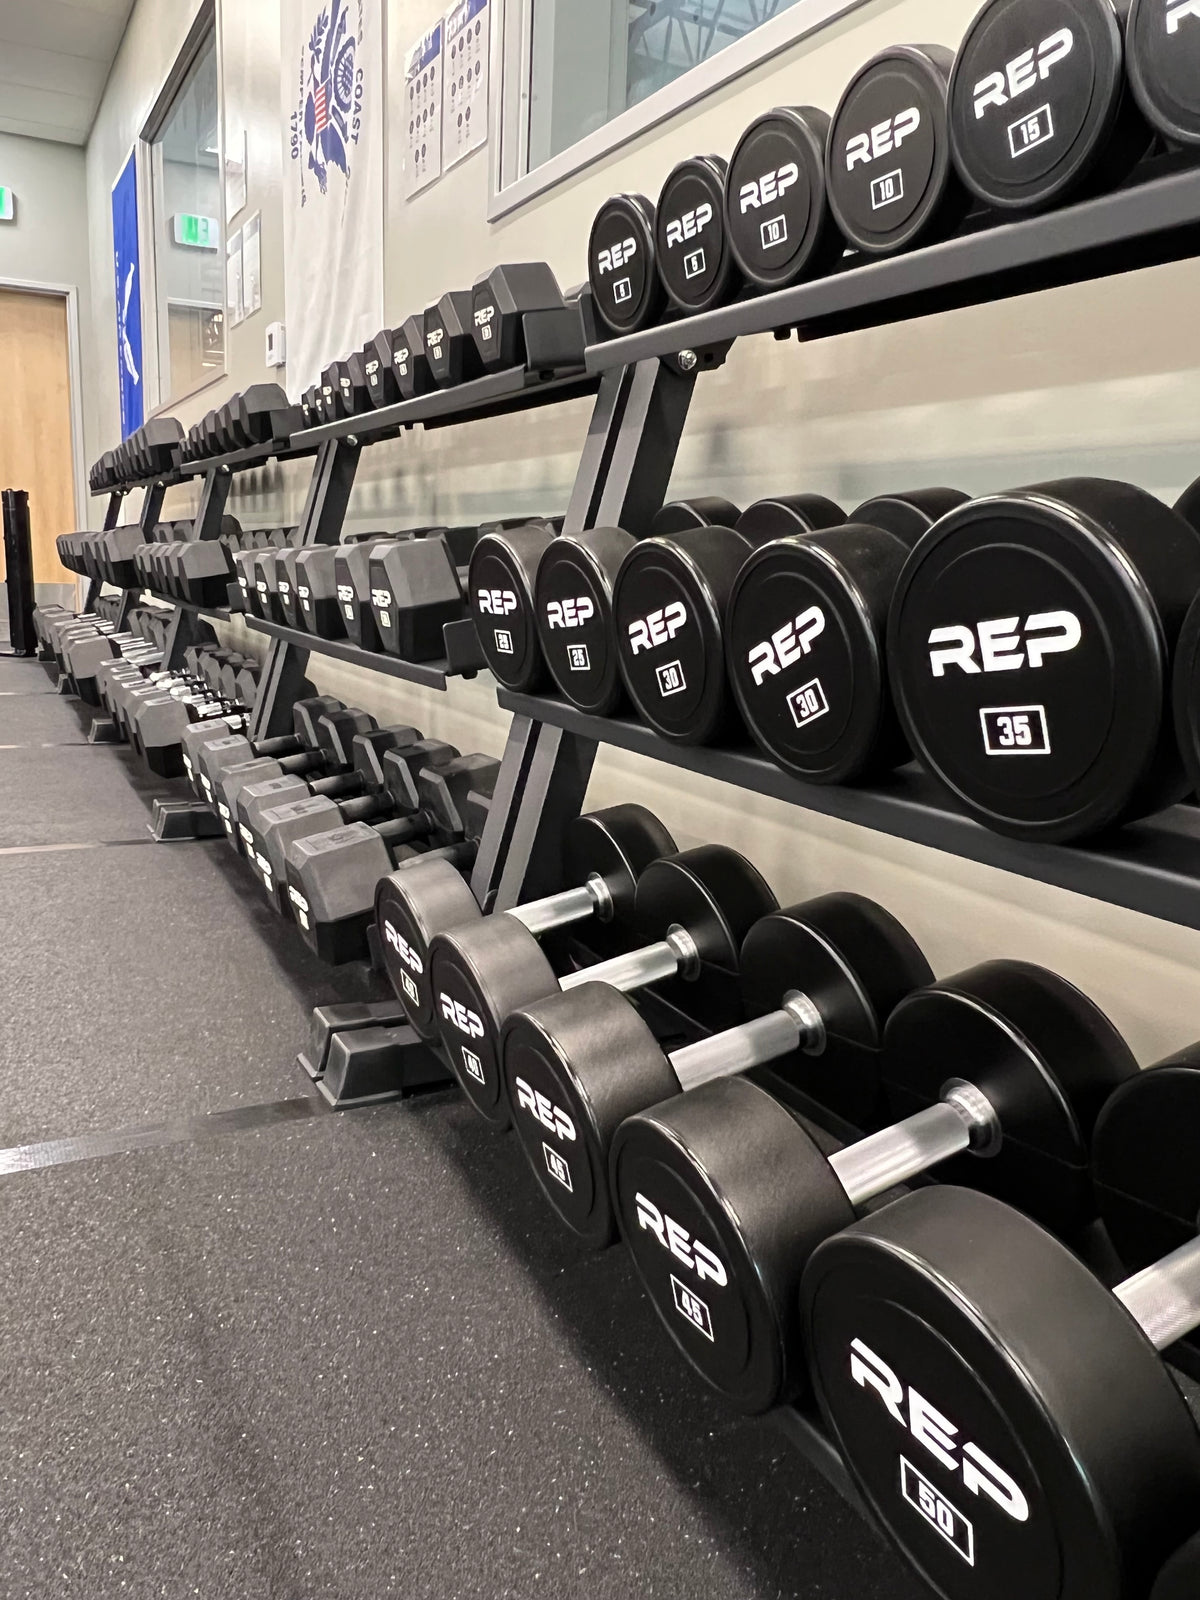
{"points": [[333, 212]]}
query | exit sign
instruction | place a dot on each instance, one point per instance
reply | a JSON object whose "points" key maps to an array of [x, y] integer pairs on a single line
{"points": [[197, 233], [8, 205]]}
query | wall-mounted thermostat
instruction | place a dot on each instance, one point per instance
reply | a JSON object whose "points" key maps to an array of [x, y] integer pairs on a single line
{"points": [[8, 205], [277, 345]]}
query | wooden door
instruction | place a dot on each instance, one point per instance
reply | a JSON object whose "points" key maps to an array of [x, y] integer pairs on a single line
{"points": [[35, 420]]}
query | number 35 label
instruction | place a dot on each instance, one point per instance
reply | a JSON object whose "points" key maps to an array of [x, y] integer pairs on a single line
{"points": [[1015, 731]]}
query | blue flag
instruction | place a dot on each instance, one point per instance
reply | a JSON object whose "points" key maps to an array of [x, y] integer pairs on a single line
{"points": [[129, 297]]}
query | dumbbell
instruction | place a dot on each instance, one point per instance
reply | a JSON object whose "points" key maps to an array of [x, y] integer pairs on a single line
{"points": [[246, 789], [286, 567], [1038, 106], [500, 585], [203, 568], [410, 360], [996, 1403], [1005, 1062], [319, 609], [1030, 649], [416, 586], [501, 300], [669, 601], [274, 827], [691, 246], [352, 380], [319, 722], [691, 912], [576, 576], [157, 722], [577, 1064], [623, 275], [806, 639], [377, 353], [776, 208], [332, 876], [890, 179], [225, 753], [1162, 58], [449, 345], [604, 854]]}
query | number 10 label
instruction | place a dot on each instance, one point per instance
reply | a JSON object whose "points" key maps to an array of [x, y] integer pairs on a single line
{"points": [[1015, 731]]}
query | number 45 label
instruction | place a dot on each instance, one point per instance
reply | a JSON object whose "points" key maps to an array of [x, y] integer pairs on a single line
{"points": [[1015, 731]]}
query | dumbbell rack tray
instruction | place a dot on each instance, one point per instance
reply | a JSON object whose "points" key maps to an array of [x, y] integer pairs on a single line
{"points": [[432, 674], [494, 395], [1153, 220], [1151, 866]]}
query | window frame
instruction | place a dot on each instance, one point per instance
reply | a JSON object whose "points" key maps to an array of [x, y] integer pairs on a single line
{"points": [[204, 31], [511, 186]]}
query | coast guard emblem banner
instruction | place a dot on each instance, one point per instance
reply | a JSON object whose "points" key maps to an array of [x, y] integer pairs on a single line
{"points": [[333, 213]]}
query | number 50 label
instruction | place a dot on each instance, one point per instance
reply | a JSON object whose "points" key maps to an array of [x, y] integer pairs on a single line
{"points": [[1015, 731]]}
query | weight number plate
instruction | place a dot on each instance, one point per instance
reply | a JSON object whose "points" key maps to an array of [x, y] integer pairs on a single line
{"points": [[1028, 666]]}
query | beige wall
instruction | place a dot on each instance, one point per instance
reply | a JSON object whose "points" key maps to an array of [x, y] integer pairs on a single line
{"points": [[1100, 378]]}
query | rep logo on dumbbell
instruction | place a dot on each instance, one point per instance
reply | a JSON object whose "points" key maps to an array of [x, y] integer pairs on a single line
{"points": [[604, 853], [1006, 1415]]}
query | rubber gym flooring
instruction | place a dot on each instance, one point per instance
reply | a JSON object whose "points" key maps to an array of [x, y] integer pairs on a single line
{"points": [[298, 1355]]}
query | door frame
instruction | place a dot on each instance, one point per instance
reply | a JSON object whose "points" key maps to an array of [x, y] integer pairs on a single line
{"points": [[69, 293]]}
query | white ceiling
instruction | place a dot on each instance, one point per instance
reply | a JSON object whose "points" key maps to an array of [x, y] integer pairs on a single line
{"points": [[54, 59]]}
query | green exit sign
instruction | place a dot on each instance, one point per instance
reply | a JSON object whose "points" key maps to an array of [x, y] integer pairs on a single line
{"points": [[8, 205], [197, 233]]}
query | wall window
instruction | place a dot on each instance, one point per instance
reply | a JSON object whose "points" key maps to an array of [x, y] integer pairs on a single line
{"points": [[188, 232], [579, 77]]}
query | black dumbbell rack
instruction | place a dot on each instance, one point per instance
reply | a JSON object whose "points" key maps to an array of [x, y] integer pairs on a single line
{"points": [[643, 385]]}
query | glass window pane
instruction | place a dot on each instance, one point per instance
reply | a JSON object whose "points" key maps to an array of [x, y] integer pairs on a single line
{"points": [[189, 244], [593, 59]]}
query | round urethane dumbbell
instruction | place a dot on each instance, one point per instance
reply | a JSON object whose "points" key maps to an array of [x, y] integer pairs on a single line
{"points": [[669, 602], [1000, 1409], [499, 582], [691, 245], [332, 877], [1039, 109], [1143, 1167], [570, 581], [1030, 649], [776, 206], [622, 265], [577, 1064], [890, 178], [575, 578], [1162, 59], [806, 639], [691, 912], [996, 1076], [604, 854]]}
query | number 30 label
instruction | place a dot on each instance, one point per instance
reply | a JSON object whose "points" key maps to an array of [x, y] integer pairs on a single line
{"points": [[1015, 731]]}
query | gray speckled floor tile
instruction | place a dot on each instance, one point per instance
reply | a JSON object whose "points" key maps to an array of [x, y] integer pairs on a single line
{"points": [[353, 1358]]}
